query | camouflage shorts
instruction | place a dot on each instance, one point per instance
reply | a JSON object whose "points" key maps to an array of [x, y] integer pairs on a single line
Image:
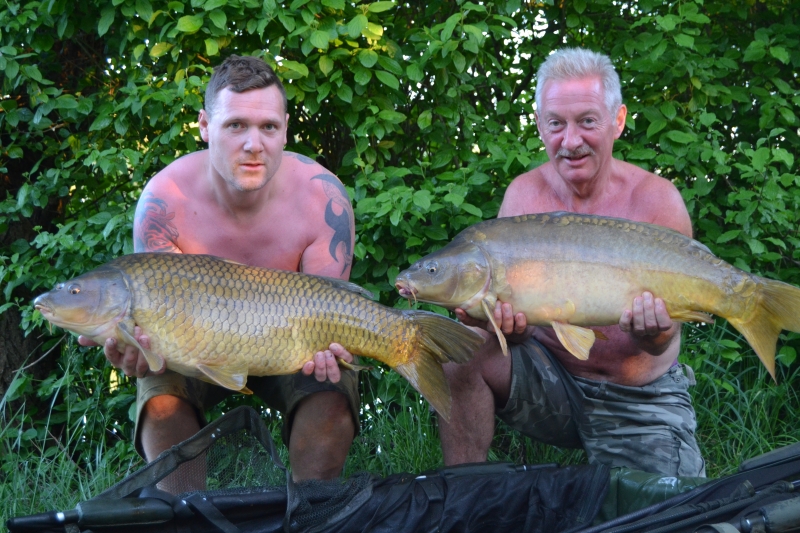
{"points": [[282, 393], [649, 428]]}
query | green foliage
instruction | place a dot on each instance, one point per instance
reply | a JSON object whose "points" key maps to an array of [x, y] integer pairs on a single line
{"points": [[423, 109]]}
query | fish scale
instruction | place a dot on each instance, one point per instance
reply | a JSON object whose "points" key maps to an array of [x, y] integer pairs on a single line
{"points": [[221, 321]]}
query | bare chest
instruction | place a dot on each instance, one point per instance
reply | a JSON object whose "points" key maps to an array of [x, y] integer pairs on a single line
{"points": [[272, 240]]}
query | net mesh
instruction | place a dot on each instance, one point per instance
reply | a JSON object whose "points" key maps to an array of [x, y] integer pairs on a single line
{"points": [[232, 463], [235, 455]]}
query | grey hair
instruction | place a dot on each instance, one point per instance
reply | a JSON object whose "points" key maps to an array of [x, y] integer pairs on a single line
{"points": [[575, 63]]}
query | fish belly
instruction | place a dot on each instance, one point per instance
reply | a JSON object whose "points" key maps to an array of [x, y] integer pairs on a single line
{"points": [[591, 294]]}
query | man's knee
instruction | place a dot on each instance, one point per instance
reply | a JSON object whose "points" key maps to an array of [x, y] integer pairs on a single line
{"points": [[326, 411], [166, 407]]}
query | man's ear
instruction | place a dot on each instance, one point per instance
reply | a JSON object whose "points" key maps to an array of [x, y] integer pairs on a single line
{"points": [[202, 122], [622, 113]]}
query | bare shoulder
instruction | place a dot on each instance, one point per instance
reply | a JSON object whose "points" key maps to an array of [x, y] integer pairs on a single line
{"points": [[315, 184], [523, 193], [657, 200], [179, 177], [155, 227], [321, 206]]}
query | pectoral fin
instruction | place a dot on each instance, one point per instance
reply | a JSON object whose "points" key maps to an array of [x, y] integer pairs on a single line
{"points": [[154, 361], [500, 337], [577, 340], [230, 377], [691, 316]]}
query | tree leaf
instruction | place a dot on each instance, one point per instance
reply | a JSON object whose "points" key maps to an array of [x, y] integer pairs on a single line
{"points": [[106, 19], [387, 79], [144, 10], [357, 25], [319, 39], [681, 137], [159, 49], [367, 57], [755, 51], [380, 7], [325, 64], [656, 126], [219, 19], [189, 24], [779, 53], [212, 47]]}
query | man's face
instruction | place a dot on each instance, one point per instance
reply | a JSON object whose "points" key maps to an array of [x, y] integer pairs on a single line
{"points": [[577, 129], [246, 134]]}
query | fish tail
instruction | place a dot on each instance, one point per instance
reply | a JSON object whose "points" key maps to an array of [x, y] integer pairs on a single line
{"points": [[778, 308], [439, 340]]}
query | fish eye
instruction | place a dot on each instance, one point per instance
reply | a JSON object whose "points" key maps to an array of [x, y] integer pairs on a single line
{"points": [[431, 267], [74, 288]]}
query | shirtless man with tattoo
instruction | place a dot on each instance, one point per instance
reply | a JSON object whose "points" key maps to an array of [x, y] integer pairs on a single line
{"points": [[246, 199]]}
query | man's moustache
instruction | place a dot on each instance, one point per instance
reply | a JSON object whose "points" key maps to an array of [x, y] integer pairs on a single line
{"points": [[580, 152]]}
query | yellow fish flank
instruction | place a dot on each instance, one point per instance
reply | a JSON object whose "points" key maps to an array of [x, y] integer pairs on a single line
{"points": [[571, 271], [221, 321]]}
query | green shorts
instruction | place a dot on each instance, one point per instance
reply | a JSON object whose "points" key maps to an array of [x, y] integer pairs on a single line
{"points": [[649, 428], [282, 393]]}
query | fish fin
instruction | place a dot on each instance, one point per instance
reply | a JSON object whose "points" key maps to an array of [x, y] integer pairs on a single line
{"points": [[351, 366], [500, 337], [228, 376], [577, 340], [599, 335], [691, 316], [439, 340], [777, 308], [154, 361]]}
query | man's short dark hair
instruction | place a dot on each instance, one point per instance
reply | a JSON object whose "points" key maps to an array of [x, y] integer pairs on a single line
{"points": [[240, 74]]}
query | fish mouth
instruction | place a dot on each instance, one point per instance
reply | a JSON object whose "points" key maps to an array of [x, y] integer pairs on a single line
{"points": [[46, 311], [406, 291]]}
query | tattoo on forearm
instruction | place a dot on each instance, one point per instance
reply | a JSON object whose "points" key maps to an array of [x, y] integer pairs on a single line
{"points": [[339, 223], [154, 231]]}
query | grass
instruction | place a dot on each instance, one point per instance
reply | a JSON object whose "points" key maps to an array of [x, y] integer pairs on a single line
{"points": [[66, 439]]}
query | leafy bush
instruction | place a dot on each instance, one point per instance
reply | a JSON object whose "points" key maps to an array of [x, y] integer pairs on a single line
{"points": [[423, 109]]}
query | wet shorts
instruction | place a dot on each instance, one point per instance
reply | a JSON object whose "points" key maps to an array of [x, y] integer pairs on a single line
{"points": [[649, 428], [282, 393]]}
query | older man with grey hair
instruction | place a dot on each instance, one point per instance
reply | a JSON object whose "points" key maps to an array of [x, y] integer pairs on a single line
{"points": [[628, 404]]}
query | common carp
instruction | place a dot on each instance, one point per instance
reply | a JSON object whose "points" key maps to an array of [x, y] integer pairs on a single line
{"points": [[221, 321], [572, 271]]}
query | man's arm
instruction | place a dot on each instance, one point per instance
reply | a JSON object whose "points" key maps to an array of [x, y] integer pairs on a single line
{"points": [[153, 231], [650, 327], [329, 254]]}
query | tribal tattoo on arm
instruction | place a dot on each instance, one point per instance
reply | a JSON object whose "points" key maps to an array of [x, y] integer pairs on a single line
{"points": [[339, 223], [153, 230]]}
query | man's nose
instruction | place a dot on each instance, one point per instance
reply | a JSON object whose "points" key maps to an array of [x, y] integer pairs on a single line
{"points": [[252, 141], [572, 137]]}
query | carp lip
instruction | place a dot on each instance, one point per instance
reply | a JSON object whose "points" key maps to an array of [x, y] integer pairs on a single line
{"points": [[42, 308], [405, 292]]}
